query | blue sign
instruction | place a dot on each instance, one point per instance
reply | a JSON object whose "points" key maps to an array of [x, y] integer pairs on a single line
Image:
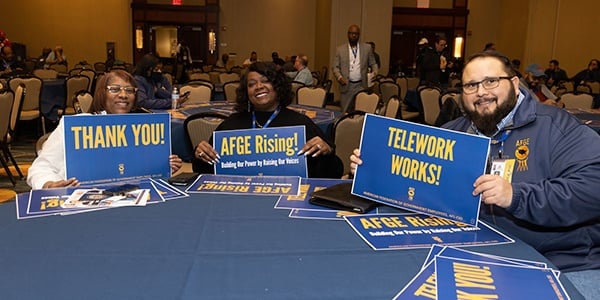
{"points": [[105, 148], [459, 279], [408, 231], [421, 168], [248, 185], [265, 151]]}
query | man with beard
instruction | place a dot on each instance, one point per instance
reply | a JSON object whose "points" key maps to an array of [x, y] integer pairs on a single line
{"points": [[552, 201]]}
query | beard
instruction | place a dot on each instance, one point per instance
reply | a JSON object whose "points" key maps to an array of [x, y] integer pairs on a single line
{"points": [[487, 123]]}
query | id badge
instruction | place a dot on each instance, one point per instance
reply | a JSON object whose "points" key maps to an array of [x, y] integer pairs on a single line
{"points": [[503, 168]]}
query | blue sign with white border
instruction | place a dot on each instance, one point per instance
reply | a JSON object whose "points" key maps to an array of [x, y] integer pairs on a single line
{"points": [[264, 151], [105, 148], [421, 168]]}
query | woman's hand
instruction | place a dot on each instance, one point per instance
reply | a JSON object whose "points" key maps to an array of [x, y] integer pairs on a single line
{"points": [[175, 162], [206, 153], [355, 160], [61, 183], [315, 147]]}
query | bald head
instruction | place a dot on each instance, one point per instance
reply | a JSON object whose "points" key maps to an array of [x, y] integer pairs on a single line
{"points": [[353, 34]]}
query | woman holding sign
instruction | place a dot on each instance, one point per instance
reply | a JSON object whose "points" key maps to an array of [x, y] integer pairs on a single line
{"points": [[262, 100], [115, 94]]}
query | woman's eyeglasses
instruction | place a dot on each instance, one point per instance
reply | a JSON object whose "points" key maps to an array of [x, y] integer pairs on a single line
{"points": [[115, 89]]}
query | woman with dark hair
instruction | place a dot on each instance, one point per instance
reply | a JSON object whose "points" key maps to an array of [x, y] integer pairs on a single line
{"points": [[262, 100], [115, 94], [154, 90]]}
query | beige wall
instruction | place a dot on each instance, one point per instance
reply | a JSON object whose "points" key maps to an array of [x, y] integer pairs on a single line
{"points": [[534, 31], [82, 27], [265, 26]]}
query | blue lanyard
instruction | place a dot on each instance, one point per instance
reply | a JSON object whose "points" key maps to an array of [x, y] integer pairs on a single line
{"points": [[273, 115], [354, 51], [500, 141]]}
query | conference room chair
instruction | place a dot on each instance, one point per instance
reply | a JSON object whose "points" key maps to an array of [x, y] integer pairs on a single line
{"points": [[572, 100], [347, 132], [60, 68], [100, 67], [31, 105], [295, 86], [91, 74], [73, 84], [199, 127], [583, 88], [199, 93], [199, 76], [455, 83], [412, 82], [311, 96], [45, 73], [214, 77], [392, 107], [19, 94], [230, 90], [364, 101], [430, 102], [388, 89], [228, 77], [402, 83], [84, 99], [201, 81], [6, 104], [594, 85], [449, 109]]}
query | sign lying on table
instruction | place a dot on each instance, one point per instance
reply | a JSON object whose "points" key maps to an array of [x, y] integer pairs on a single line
{"points": [[248, 185], [421, 168], [409, 231], [265, 151], [452, 273], [105, 148]]}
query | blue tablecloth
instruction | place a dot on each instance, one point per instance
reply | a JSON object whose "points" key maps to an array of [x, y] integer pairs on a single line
{"points": [[207, 246], [322, 117]]}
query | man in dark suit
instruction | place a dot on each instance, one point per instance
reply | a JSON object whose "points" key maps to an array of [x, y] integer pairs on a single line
{"points": [[351, 65]]}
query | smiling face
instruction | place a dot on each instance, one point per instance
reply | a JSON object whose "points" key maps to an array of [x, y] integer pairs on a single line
{"points": [[261, 93], [120, 102], [487, 107]]}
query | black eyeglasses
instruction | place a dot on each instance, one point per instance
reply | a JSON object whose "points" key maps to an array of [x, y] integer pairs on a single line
{"points": [[488, 83], [115, 89]]}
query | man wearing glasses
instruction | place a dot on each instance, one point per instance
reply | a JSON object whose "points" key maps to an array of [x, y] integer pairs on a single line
{"points": [[351, 65], [551, 199]]}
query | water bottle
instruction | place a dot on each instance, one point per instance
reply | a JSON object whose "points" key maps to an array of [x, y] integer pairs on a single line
{"points": [[174, 98]]}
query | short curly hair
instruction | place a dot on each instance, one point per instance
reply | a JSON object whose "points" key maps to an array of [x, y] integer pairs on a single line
{"points": [[281, 85]]}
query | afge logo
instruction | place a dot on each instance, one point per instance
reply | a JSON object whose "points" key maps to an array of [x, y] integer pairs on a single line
{"points": [[522, 154]]}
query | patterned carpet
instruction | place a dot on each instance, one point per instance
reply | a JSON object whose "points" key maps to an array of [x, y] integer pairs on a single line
{"points": [[24, 152]]}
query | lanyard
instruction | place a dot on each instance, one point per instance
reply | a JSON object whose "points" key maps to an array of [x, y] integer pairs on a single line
{"points": [[273, 115], [501, 140], [354, 51]]}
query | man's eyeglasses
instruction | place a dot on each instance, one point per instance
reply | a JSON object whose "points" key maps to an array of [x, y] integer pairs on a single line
{"points": [[488, 83], [115, 89]]}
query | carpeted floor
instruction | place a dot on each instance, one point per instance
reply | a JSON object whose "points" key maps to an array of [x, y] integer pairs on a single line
{"points": [[24, 152]]}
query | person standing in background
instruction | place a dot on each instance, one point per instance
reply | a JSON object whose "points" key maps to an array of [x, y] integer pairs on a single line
{"points": [[375, 54], [350, 66]]}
